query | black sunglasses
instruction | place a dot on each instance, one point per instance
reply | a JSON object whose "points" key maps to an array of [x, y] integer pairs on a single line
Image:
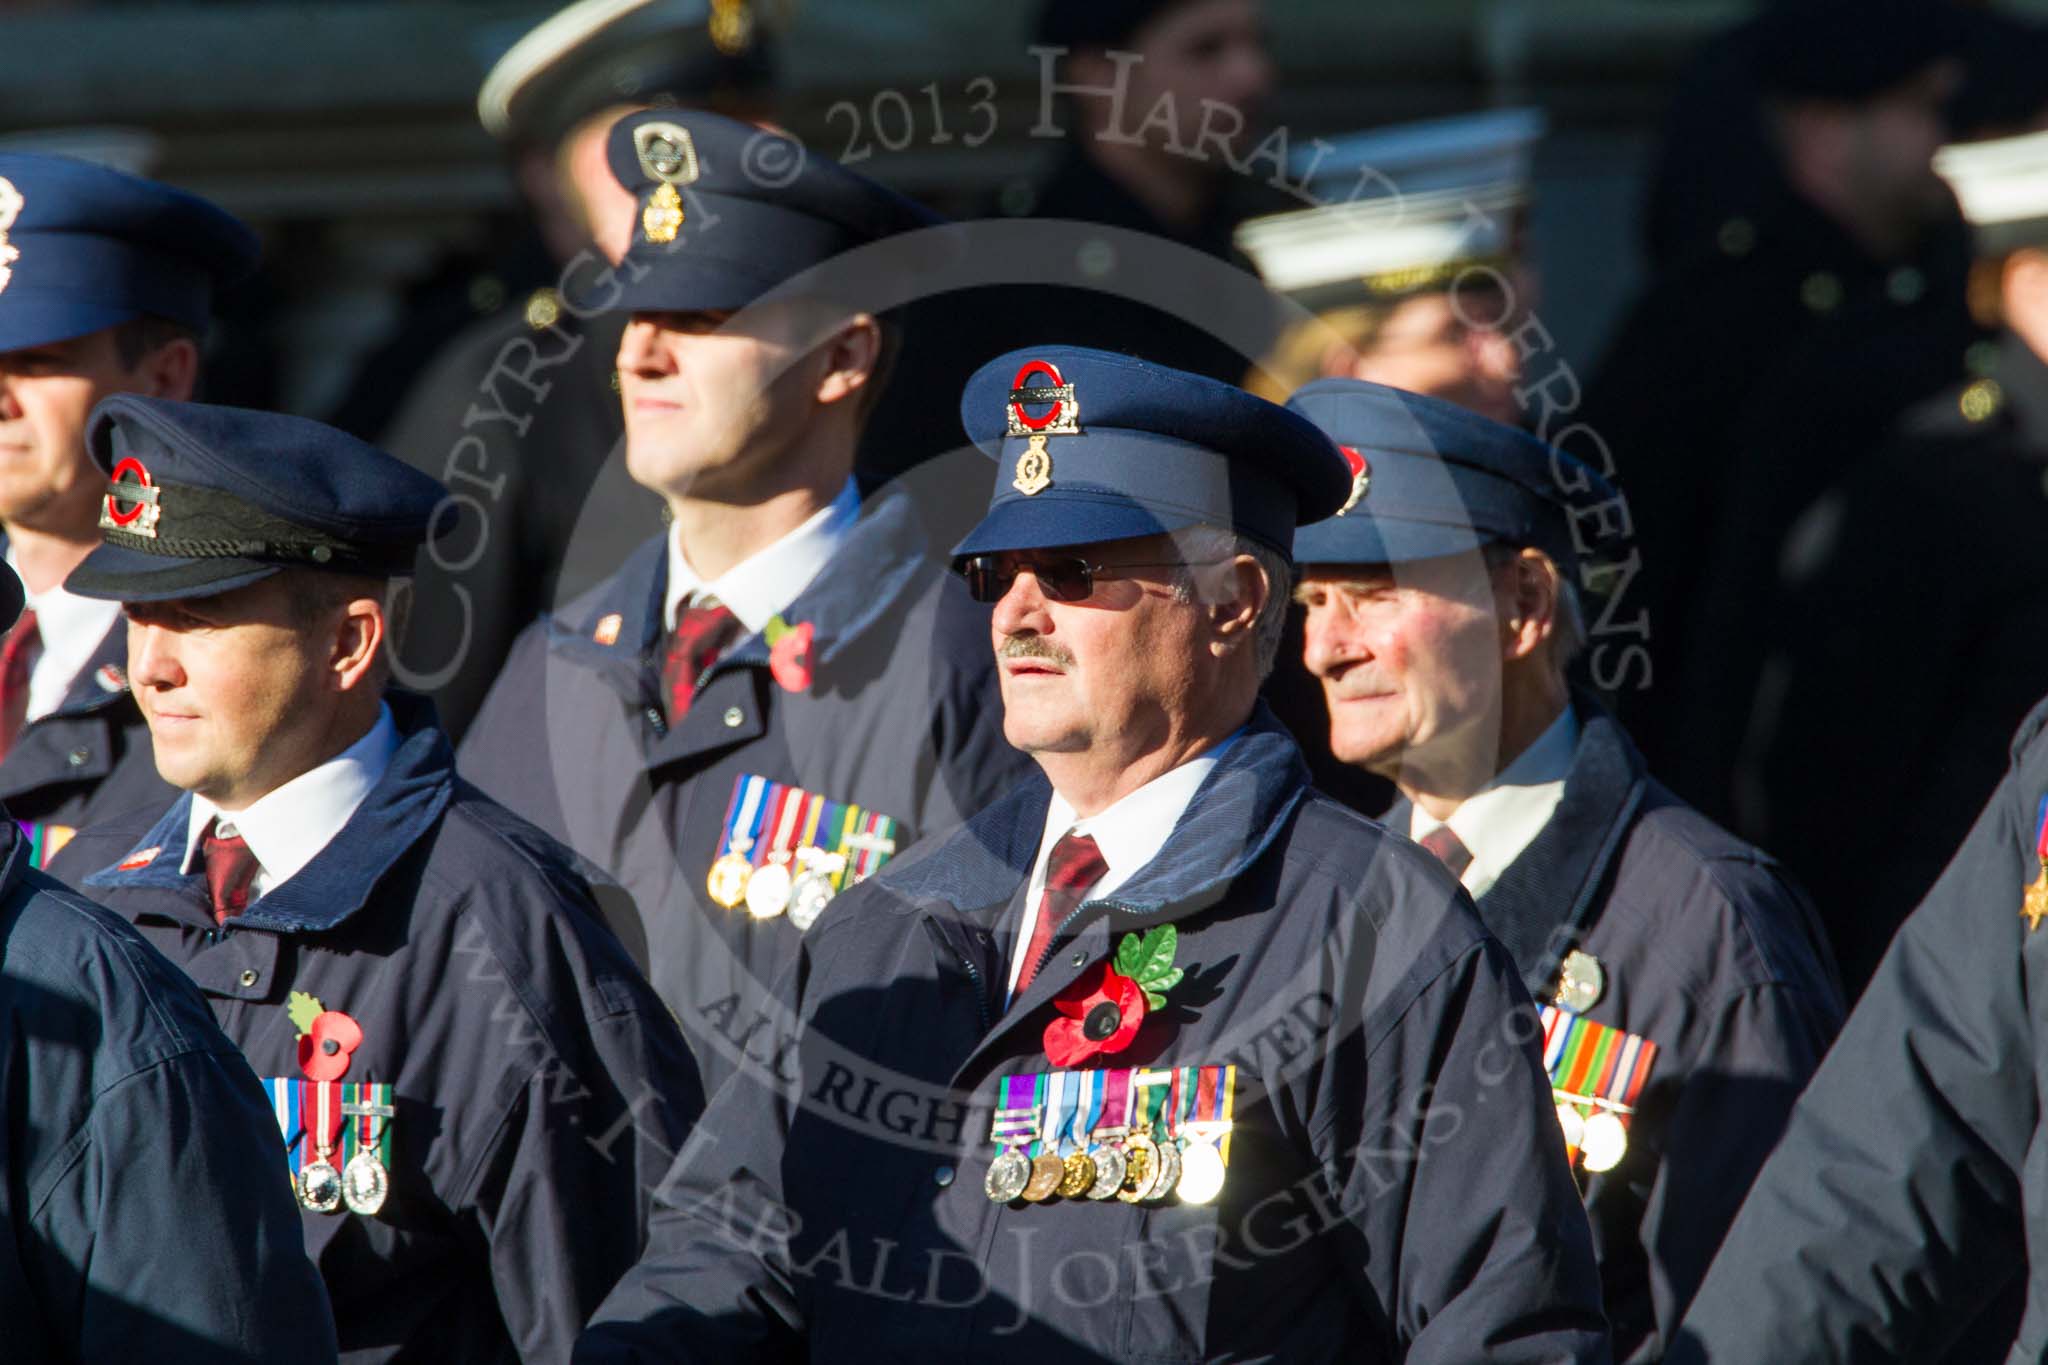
{"points": [[1062, 579]]}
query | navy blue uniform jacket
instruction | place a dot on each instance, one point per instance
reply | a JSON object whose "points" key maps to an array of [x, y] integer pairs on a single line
{"points": [[1708, 952], [1396, 1189], [1910, 1190], [540, 1087], [146, 1216], [903, 717]]}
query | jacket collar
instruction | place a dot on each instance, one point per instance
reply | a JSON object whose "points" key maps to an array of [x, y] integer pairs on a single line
{"points": [[1236, 814], [404, 804], [1543, 903], [840, 607], [103, 681]]}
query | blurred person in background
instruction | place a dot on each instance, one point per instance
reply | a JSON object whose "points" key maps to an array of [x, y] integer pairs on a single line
{"points": [[1941, 527], [519, 413], [107, 285], [1763, 358]]}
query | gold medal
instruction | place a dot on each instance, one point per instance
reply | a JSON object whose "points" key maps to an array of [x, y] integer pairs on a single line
{"points": [[729, 877], [1079, 1177], [1047, 1171], [2034, 908]]}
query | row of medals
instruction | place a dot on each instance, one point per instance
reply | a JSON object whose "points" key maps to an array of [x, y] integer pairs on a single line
{"points": [[362, 1184], [771, 889], [1134, 1169]]}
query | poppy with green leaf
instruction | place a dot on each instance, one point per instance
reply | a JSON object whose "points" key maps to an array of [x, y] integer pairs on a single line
{"points": [[1101, 1011]]}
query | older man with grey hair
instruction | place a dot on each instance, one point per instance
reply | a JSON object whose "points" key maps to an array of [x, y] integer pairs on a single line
{"points": [[1685, 991]]}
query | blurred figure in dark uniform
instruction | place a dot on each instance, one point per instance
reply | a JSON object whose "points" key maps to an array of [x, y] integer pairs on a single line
{"points": [[1765, 357], [519, 414], [1919, 737]]}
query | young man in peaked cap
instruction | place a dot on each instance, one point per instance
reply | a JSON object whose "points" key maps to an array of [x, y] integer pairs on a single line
{"points": [[143, 1215], [1172, 1057], [107, 285], [1443, 620], [781, 691], [473, 1085]]}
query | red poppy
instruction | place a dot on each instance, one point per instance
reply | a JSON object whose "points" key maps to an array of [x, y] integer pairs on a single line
{"points": [[325, 1049], [1100, 1012], [789, 658]]}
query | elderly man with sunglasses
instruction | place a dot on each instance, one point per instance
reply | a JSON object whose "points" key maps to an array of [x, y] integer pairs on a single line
{"points": [[1164, 1055]]}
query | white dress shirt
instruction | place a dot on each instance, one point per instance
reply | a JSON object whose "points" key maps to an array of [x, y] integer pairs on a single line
{"points": [[286, 827], [1502, 818], [70, 629], [768, 580], [1129, 833]]}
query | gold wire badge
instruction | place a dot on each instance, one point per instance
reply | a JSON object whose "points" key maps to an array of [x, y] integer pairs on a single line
{"points": [[668, 155], [662, 219], [1062, 418]]}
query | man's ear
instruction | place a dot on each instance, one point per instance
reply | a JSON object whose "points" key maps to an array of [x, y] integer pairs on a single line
{"points": [[171, 370], [358, 640], [849, 357], [1241, 593], [1527, 591]]}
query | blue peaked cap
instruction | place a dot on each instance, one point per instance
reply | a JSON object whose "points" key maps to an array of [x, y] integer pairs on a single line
{"points": [[728, 210], [84, 248], [1133, 449], [1430, 478], [203, 499]]}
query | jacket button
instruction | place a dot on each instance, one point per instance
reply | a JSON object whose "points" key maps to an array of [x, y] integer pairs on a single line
{"points": [[943, 1176], [1079, 959], [76, 758], [734, 717], [249, 977]]}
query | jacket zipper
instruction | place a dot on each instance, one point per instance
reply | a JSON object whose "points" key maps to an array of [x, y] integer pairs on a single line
{"points": [[1063, 925]]}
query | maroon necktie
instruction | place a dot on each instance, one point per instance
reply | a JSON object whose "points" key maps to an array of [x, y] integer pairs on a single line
{"points": [[701, 634], [1074, 865], [17, 660], [230, 868], [1449, 849]]}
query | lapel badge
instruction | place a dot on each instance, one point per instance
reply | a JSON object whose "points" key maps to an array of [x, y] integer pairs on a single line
{"points": [[607, 632], [1361, 477], [1062, 417], [1581, 981], [111, 678], [11, 204], [141, 857], [132, 501], [2034, 905]]}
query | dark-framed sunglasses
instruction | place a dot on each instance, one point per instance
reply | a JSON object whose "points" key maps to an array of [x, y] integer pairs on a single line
{"points": [[1063, 578]]}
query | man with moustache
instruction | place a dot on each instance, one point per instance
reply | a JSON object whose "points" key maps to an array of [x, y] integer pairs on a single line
{"points": [[1686, 991], [473, 1087], [773, 697], [1200, 1065], [107, 285]]}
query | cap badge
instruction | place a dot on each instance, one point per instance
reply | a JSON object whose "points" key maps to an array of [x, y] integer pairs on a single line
{"points": [[1062, 417], [10, 209], [732, 26], [1361, 477], [131, 504], [666, 153], [662, 219]]}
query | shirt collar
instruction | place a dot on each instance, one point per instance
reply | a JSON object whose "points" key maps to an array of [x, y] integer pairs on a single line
{"points": [[1502, 818], [762, 584], [71, 629], [286, 827], [1131, 832]]}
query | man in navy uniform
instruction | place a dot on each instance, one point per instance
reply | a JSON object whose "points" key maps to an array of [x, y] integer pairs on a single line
{"points": [[1905, 1205], [106, 286], [1443, 620], [143, 1216], [474, 1088], [1164, 1055], [774, 696]]}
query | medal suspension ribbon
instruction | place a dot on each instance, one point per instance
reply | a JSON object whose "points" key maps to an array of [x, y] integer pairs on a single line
{"points": [[1017, 1119], [785, 805], [743, 814], [320, 1112]]}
